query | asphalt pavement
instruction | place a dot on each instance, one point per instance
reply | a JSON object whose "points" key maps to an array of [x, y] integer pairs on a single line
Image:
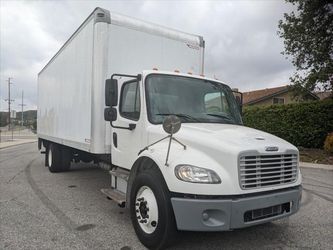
{"points": [[41, 210]]}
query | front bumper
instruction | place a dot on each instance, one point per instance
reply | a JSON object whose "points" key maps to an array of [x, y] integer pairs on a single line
{"points": [[235, 212]]}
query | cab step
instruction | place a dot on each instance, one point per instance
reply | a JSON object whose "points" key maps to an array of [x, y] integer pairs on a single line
{"points": [[120, 173], [119, 178], [115, 195]]}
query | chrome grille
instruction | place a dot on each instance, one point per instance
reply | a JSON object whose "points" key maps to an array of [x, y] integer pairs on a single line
{"points": [[257, 171]]}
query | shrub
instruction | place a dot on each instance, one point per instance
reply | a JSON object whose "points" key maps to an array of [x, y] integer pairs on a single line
{"points": [[328, 145], [302, 124]]}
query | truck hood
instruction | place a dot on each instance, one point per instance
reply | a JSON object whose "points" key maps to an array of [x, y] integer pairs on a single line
{"points": [[217, 147], [224, 138]]}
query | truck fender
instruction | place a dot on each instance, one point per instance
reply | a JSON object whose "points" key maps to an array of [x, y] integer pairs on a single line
{"points": [[139, 165], [191, 156]]}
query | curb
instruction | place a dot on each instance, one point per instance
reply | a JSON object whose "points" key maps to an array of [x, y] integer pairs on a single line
{"points": [[17, 144], [315, 166]]}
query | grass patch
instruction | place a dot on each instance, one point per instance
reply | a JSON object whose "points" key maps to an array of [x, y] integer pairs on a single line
{"points": [[315, 155]]}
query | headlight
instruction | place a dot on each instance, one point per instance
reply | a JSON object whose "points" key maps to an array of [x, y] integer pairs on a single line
{"points": [[194, 174]]}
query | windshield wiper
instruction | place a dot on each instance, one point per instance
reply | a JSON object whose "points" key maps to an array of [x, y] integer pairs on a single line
{"points": [[186, 116], [221, 116]]}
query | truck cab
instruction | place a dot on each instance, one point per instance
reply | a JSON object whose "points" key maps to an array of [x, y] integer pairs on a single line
{"points": [[216, 175]]}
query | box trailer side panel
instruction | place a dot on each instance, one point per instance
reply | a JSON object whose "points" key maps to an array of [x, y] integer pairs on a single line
{"points": [[64, 93], [135, 50], [72, 85]]}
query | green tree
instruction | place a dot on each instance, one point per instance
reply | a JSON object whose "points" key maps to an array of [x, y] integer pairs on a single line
{"points": [[308, 40], [3, 119]]}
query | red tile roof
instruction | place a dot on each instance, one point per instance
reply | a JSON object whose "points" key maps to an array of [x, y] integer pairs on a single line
{"points": [[255, 95]]}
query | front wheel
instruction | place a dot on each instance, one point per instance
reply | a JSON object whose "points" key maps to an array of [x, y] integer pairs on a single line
{"points": [[151, 211]]}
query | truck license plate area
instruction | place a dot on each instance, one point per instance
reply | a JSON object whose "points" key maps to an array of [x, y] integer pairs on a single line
{"points": [[267, 212]]}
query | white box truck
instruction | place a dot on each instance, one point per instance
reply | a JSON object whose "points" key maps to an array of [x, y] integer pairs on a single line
{"points": [[117, 93]]}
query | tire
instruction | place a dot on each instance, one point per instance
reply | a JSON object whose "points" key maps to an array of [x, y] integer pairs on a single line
{"points": [[58, 158], [159, 233], [66, 158], [85, 157]]}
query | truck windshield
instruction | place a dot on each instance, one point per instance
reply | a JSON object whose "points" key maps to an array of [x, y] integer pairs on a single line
{"points": [[192, 100]]}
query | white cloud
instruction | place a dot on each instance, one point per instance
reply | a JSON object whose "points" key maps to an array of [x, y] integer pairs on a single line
{"points": [[24, 47], [242, 46]]}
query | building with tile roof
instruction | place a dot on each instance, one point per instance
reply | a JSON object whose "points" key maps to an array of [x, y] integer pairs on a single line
{"points": [[277, 95]]}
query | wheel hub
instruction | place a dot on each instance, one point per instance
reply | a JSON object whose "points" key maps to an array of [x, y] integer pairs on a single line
{"points": [[143, 208], [146, 209]]}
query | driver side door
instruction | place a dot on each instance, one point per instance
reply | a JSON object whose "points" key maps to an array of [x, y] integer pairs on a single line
{"points": [[127, 143]]}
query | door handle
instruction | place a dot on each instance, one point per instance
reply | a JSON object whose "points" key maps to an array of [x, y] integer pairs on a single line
{"points": [[115, 139]]}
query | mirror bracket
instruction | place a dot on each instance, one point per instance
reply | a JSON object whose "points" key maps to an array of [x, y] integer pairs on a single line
{"points": [[111, 88], [138, 77], [111, 99], [171, 125], [110, 114], [130, 127]]}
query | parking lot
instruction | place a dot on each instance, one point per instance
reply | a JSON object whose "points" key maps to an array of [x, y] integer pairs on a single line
{"points": [[40, 210]]}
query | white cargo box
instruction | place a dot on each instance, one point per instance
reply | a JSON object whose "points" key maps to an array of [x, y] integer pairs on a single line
{"points": [[71, 85]]}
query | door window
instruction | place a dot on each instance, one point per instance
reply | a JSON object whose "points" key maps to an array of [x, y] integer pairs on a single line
{"points": [[130, 101]]}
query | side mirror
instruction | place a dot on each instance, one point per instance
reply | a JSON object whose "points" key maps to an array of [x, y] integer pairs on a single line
{"points": [[239, 99], [111, 92], [171, 124], [239, 102], [110, 114]]}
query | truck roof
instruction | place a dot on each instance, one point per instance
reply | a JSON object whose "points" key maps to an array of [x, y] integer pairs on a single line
{"points": [[184, 74], [103, 15]]}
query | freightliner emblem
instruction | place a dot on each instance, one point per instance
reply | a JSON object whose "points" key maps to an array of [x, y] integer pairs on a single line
{"points": [[271, 149]]}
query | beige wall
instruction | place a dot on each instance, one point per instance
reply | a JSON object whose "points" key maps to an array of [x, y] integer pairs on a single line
{"points": [[288, 98]]}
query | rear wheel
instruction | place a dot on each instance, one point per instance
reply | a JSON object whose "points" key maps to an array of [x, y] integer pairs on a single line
{"points": [[58, 158], [151, 211]]}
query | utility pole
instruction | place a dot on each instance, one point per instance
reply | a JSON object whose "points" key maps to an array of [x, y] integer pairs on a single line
{"points": [[9, 101], [22, 104]]}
